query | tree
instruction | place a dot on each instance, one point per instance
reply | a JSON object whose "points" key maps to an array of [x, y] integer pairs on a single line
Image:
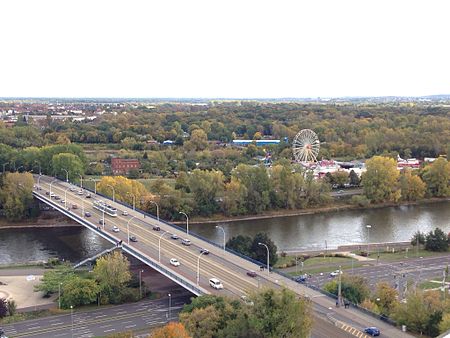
{"points": [[437, 177], [412, 187], [171, 330], [202, 322], [418, 237], [112, 272], [206, 186], [354, 179], [436, 241], [444, 325], [3, 308], [340, 178], [259, 252], [241, 244], [234, 198], [79, 291], [70, 162], [52, 279], [354, 288], [380, 180], [199, 139], [12, 307], [386, 297], [16, 195]]}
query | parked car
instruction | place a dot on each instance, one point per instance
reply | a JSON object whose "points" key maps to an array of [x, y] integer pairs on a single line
{"points": [[186, 242], [156, 228], [74, 206], [372, 330], [101, 222], [335, 273], [251, 273], [174, 236], [204, 251], [133, 239], [174, 262], [87, 214], [124, 213], [215, 283], [115, 229], [88, 195]]}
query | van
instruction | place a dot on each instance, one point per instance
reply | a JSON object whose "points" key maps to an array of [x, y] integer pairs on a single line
{"points": [[186, 242], [215, 283]]}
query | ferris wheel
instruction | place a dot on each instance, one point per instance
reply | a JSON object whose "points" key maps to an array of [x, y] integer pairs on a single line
{"points": [[306, 146]]}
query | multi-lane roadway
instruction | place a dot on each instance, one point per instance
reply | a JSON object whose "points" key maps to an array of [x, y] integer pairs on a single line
{"points": [[230, 269]]}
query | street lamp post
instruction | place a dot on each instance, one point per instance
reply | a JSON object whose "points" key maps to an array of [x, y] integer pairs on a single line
{"points": [[157, 209], [198, 267], [134, 199], [187, 221], [267, 248], [39, 178], [81, 181], [65, 197], [128, 229], [71, 318], [368, 226], [67, 174], [223, 230], [95, 184], [339, 288], [51, 187], [170, 306], [114, 192], [59, 296], [140, 283], [159, 245]]}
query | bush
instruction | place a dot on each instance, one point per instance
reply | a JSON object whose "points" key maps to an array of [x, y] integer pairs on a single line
{"points": [[436, 241], [360, 201]]}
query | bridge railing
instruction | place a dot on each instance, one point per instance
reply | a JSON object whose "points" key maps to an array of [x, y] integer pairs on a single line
{"points": [[125, 247]]}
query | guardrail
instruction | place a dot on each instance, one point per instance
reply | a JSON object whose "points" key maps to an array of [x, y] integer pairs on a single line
{"points": [[191, 287]]}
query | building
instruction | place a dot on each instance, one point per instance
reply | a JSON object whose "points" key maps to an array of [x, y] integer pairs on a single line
{"points": [[124, 165], [243, 143]]}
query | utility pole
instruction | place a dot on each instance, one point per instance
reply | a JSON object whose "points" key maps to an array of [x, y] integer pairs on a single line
{"points": [[339, 288]]}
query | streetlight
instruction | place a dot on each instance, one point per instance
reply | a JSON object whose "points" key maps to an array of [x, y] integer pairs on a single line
{"points": [[95, 184], [170, 305], [339, 287], [59, 296], [157, 210], [140, 283], [128, 228], [67, 174], [368, 226], [159, 245], [267, 248], [134, 199], [187, 221], [223, 230], [198, 266], [65, 197], [71, 317], [51, 187], [114, 192], [81, 181]]}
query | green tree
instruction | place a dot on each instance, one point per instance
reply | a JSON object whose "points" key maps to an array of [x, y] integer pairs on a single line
{"points": [[112, 272], [234, 198], [79, 291], [259, 252], [418, 237], [436, 241], [354, 179], [12, 307], [53, 279], [206, 187], [437, 177], [412, 187], [354, 288], [70, 162], [241, 244], [386, 297], [16, 195], [340, 178], [199, 139], [380, 181]]}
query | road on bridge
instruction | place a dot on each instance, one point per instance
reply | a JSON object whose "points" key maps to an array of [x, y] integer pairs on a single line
{"points": [[229, 268]]}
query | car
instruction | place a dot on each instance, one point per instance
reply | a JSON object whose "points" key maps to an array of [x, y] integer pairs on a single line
{"points": [[251, 274], [74, 206], [340, 191], [63, 201], [47, 193], [174, 236], [174, 262], [156, 228], [101, 222], [87, 214], [215, 284], [301, 279], [335, 273], [73, 188], [2, 333], [204, 251], [57, 197], [372, 330], [52, 194], [124, 213], [88, 195], [186, 242], [133, 239], [81, 192], [115, 229]]}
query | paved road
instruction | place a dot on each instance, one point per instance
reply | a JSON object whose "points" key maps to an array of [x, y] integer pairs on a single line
{"points": [[229, 268], [97, 323]]}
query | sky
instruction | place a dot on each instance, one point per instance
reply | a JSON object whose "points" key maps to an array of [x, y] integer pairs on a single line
{"points": [[226, 49]]}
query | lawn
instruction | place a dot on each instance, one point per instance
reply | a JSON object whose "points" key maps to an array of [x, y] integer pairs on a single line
{"points": [[401, 255], [318, 264]]}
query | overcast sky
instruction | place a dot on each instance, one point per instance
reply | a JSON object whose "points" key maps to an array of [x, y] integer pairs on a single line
{"points": [[236, 49]]}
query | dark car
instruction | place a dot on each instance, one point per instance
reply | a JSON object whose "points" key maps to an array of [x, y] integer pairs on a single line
{"points": [[156, 228], [87, 214], [251, 273], [101, 222], [204, 251], [133, 239], [373, 331], [88, 195], [47, 193], [174, 236], [301, 279]]}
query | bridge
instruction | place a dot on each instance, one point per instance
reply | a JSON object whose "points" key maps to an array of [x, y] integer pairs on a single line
{"points": [[154, 244]]}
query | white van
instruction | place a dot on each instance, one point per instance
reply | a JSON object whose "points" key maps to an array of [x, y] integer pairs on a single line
{"points": [[215, 283]]}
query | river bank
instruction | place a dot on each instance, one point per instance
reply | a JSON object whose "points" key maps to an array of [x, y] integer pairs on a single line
{"points": [[48, 219], [309, 211]]}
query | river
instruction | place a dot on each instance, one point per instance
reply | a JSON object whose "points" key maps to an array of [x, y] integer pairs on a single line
{"points": [[293, 232]]}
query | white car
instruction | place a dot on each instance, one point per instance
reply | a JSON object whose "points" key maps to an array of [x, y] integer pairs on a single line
{"points": [[81, 192], [174, 262], [115, 229], [215, 283], [124, 213], [335, 273]]}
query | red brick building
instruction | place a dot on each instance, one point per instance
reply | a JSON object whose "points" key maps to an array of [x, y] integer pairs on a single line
{"points": [[124, 165]]}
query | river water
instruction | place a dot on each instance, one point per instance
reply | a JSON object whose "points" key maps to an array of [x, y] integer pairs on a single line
{"points": [[288, 233]]}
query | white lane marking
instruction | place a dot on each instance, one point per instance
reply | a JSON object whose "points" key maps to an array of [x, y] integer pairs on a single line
{"points": [[109, 330], [130, 326]]}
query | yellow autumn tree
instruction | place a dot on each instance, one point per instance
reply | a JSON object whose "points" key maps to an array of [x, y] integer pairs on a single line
{"points": [[171, 330]]}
